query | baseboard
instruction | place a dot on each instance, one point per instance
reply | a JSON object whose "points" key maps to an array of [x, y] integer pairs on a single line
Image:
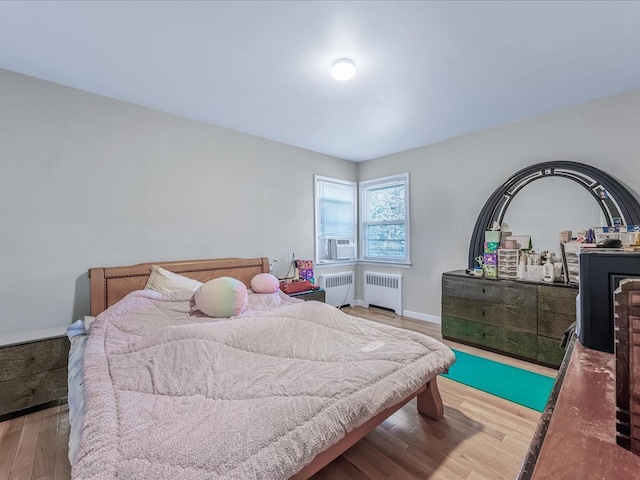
{"points": [[27, 411], [409, 314], [422, 316]]}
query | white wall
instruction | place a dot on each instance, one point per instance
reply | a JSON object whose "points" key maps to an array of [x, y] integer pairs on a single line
{"points": [[89, 181], [451, 180]]}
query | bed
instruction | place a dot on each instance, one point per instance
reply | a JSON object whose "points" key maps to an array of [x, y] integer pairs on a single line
{"points": [[276, 392]]}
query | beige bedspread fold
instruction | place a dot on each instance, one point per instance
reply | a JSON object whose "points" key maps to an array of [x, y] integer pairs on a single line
{"points": [[173, 395]]}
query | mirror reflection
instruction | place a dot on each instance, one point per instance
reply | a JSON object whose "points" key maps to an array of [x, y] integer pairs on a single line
{"points": [[547, 206]]}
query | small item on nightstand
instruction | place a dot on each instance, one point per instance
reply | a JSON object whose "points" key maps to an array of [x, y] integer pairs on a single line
{"points": [[289, 287], [305, 270]]}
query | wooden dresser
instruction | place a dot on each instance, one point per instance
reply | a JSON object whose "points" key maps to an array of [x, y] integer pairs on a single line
{"points": [[517, 318], [33, 374]]}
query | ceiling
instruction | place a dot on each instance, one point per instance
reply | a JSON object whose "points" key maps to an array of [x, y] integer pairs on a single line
{"points": [[427, 71]]}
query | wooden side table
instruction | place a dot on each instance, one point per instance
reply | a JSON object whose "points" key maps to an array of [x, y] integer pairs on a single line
{"points": [[33, 374], [317, 295]]}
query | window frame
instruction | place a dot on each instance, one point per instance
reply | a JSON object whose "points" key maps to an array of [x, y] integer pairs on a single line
{"points": [[402, 178], [318, 237]]}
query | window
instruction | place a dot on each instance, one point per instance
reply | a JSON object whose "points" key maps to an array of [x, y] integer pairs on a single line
{"points": [[336, 225], [384, 219]]}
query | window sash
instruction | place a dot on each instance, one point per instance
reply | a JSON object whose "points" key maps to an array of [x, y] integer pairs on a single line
{"points": [[382, 248], [335, 215], [377, 246], [368, 191]]}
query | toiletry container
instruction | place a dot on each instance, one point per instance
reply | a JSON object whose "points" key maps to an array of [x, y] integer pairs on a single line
{"points": [[522, 268], [537, 259], [548, 272]]}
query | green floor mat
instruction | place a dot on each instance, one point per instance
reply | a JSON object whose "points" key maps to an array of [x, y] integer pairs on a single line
{"points": [[514, 384]]}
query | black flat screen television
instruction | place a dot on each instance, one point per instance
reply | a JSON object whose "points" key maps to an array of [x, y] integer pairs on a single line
{"points": [[601, 271]]}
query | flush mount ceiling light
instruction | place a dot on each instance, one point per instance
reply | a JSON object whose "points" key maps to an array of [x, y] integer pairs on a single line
{"points": [[343, 69]]}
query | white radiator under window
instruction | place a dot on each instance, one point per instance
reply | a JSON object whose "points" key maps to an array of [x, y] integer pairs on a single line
{"points": [[383, 290], [338, 288]]}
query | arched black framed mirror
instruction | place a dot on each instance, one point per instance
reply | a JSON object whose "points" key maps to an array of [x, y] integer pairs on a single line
{"points": [[617, 203]]}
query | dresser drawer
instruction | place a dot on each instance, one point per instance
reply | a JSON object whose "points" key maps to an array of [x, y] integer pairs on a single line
{"points": [[550, 352], [509, 293], [501, 315], [24, 360], [519, 344], [553, 324], [557, 299]]}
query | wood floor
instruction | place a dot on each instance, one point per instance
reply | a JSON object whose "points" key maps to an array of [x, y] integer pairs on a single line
{"points": [[480, 437], [35, 446]]}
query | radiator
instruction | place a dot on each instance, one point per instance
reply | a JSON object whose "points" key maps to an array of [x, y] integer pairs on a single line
{"points": [[383, 290], [338, 288]]}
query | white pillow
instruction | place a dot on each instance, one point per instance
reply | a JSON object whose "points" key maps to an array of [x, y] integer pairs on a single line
{"points": [[88, 320], [164, 281]]}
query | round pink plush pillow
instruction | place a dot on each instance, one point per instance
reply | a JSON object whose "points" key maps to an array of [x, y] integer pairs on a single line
{"points": [[265, 283], [221, 297]]}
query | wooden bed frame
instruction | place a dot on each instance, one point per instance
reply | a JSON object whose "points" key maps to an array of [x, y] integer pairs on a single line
{"points": [[109, 285]]}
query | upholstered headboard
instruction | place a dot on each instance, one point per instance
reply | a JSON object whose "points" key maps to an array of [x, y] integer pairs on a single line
{"points": [[109, 285]]}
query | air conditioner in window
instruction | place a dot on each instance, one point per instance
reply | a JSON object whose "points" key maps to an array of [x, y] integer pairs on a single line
{"points": [[342, 249]]}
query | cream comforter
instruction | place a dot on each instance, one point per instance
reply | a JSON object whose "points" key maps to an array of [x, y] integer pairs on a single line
{"points": [[171, 394]]}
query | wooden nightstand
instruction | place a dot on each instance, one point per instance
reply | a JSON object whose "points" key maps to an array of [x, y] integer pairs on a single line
{"points": [[33, 373], [317, 295]]}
